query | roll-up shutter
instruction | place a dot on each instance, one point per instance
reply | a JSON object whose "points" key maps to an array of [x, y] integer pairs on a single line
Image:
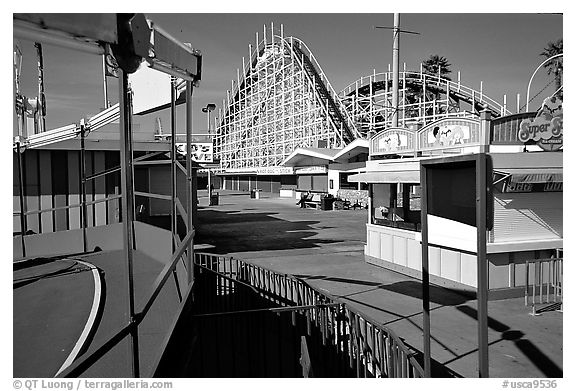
{"points": [[320, 182], [527, 216], [243, 186], [305, 182]]}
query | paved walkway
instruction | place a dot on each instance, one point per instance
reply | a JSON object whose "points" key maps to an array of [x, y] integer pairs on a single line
{"points": [[325, 248]]}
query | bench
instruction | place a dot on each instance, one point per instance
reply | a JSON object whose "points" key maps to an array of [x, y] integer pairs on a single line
{"points": [[314, 201]]}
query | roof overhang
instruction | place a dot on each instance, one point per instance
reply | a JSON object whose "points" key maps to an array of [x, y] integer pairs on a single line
{"points": [[520, 175], [302, 157], [529, 161], [536, 167], [386, 177], [355, 148]]}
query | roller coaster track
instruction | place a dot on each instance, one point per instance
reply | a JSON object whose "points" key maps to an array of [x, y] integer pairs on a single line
{"points": [[247, 107], [335, 107], [325, 92], [368, 100]]}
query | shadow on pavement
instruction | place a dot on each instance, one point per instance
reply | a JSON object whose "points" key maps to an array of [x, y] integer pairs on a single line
{"points": [[531, 351], [235, 231], [438, 295]]}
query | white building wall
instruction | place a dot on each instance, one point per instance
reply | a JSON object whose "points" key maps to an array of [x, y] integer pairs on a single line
{"points": [[333, 175]]}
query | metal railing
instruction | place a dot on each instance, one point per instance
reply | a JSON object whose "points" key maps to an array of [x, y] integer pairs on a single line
{"points": [[363, 347], [544, 283]]}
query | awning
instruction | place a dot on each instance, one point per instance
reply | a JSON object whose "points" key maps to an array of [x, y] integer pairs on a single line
{"points": [[386, 177], [531, 175]]}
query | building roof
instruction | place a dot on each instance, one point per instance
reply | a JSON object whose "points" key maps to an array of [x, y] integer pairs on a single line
{"points": [[355, 148], [322, 156], [310, 157]]}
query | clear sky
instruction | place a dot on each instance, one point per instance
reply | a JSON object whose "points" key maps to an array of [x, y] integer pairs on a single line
{"points": [[502, 50]]}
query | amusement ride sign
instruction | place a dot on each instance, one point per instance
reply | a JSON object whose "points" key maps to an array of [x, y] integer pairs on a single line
{"points": [[547, 128], [200, 152]]}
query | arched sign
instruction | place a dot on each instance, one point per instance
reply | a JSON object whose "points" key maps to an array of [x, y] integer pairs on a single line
{"points": [[392, 141], [449, 133]]}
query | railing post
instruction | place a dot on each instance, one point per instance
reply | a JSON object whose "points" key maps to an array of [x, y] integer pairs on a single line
{"points": [[173, 215], [83, 184], [189, 178], [128, 208]]}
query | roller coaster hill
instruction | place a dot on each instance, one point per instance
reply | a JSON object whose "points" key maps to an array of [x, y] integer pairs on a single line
{"points": [[282, 100]]}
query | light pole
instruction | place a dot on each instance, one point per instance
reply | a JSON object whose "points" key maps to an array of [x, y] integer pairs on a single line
{"points": [[210, 107], [395, 64]]}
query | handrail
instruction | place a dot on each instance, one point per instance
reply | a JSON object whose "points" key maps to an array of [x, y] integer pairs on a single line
{"points": [[40, 211], [554, 284], [165, 273]]}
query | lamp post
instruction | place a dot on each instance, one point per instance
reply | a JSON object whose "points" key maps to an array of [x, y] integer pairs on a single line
{"points": [[210, 107], [396, 64]]}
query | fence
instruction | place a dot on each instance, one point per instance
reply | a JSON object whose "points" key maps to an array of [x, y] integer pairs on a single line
{"points": [[544, 283], [334, 340]]}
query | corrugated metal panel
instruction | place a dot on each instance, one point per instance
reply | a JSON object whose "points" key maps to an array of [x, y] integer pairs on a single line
{"points": [[161, 183], [100, 188], [89, 188], [111, 160], [74, 214], [31, 180], [60, 188], [527, 216], [46, 220]]}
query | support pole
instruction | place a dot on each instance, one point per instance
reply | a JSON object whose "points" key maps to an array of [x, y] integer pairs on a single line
{"points": [[482, 265], [425, 277], [41, 98], [395, 69], [23, 225], [127, 184], [105, 83], [189, 199], [83, 185], [174, 217]]}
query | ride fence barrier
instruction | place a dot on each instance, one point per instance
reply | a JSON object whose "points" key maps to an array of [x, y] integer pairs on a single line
{"points": [[326, 338], [544, 284]]}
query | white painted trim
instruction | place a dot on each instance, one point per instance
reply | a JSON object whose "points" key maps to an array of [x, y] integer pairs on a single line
{"points": [[91, 318], [531, 245]]}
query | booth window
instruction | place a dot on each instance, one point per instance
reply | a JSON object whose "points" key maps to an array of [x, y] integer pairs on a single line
{"points": [[396, 205]]}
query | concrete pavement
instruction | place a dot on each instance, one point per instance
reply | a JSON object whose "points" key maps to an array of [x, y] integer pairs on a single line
{"points": [[326, 248]]}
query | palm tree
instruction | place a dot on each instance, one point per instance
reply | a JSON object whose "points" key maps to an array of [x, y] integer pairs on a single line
{"points": [[437, 65], [556, 66]]}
